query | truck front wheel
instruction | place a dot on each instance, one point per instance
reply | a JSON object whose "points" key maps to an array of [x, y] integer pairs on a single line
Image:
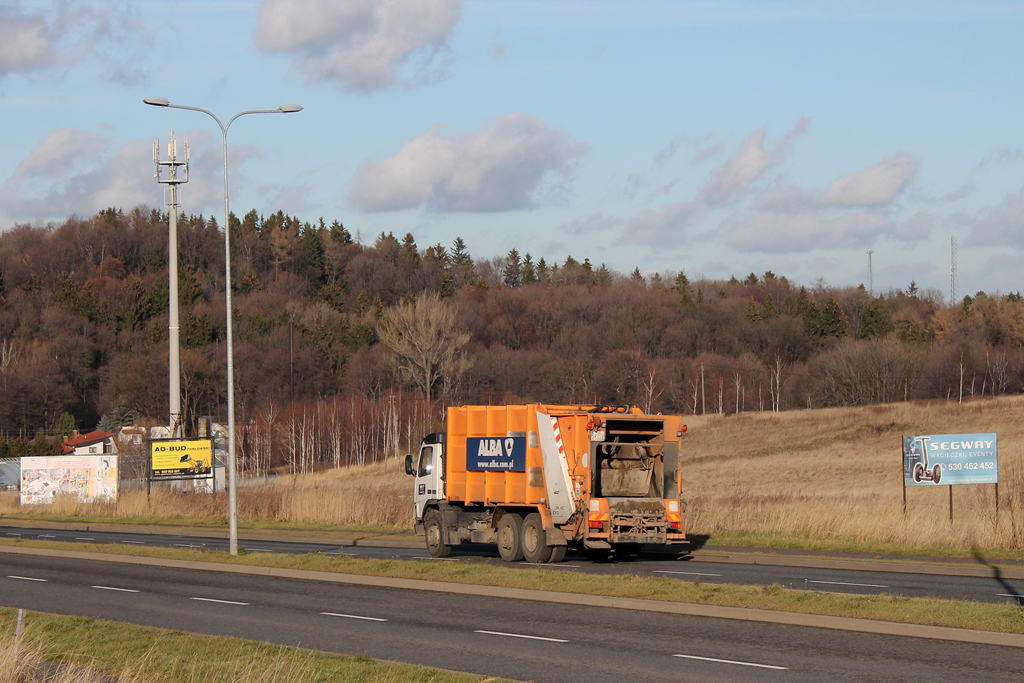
{"points": [[534, 540], [510, 537], [435, 535]]}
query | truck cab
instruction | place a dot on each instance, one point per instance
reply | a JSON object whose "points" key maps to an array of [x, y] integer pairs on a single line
{"points": [[428, 466]]}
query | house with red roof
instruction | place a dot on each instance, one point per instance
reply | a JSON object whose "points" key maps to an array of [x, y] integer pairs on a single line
{"points": [[93, 443]]}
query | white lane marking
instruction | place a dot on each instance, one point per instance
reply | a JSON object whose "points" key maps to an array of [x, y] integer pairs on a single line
{"points": [[111, 588], [729, 661], [258, 550], [520, 635], [351, 616], [135, 542], [545, 565], [223, 602], [84, 538], [27, 578], [1009, 595], [186, 545], [341, 553], [46, 536], [841, 583], [11, 533], [665, 571]]}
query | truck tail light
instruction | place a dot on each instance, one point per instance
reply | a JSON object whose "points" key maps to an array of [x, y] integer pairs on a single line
{"points": [[595, 524], [674, 526]]}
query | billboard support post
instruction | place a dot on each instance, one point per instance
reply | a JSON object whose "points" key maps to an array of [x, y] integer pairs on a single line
{"points": [[997, 502], [950, 503]]}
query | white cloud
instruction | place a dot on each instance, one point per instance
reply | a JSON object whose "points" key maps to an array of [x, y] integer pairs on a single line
{"points": [[507, 166], [778, 233], [874, 186], [595, 222], [670, 222], [730, 182], [26, 42], [76, 172], [999, 225], [361, 44], [69, 33]]}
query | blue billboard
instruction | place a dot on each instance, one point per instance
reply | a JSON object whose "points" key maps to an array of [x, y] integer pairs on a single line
{"points": [[502, 454], [944, 459]]}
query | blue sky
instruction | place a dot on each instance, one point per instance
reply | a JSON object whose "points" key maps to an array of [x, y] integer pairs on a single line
{"points": [[717, 138]]}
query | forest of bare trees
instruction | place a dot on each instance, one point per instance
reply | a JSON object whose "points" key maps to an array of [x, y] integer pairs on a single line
{"points": [[344, 349]]}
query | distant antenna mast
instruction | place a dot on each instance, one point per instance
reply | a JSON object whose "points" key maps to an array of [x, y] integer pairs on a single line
{"points": [[954, 273], [871, 273], [173, 179]]}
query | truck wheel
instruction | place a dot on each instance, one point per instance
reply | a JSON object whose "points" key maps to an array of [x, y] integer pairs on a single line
{"points": [[936, 473], [534, 540], [510, 537], [435, 535], [557, 553]]}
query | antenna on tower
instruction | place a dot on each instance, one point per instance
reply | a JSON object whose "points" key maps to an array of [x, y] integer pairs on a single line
{"points": [[954, 273], [172, 180], [871, 273]]}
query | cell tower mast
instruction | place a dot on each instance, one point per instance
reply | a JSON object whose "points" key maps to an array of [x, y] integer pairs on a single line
{"points": [[172, 180], [954, 273], [871, 273]]}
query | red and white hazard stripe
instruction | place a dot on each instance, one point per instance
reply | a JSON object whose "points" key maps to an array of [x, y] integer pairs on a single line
{"points": [[558, 436]]}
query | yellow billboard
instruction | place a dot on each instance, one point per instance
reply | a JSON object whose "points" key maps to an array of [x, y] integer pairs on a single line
{"points": [[180, 457]]}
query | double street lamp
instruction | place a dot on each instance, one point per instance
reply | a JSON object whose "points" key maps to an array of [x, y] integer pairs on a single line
{"points": [[232, 465]]}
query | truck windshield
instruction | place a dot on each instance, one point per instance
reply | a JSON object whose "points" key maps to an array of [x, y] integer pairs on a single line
{"points": [[426, 461]]}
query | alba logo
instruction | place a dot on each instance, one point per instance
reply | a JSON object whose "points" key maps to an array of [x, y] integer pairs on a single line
{"points": [[491, 448]]}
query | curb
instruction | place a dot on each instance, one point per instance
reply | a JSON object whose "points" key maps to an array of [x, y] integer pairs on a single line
{"points": [[739, 613]]}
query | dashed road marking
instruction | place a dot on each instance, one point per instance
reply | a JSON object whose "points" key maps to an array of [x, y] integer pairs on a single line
{"points": [[27, 578], [351, 616], [730, 661], [135, 542], [665, 571], [520, 635], [84, 538], [223, 602], [120, 590]]}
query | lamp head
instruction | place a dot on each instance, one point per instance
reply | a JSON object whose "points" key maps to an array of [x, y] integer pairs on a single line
{"points": [[157, 101], [289, 108]]}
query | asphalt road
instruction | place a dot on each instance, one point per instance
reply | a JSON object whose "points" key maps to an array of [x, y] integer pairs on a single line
{"points": [[498, 637], [682, 568]]}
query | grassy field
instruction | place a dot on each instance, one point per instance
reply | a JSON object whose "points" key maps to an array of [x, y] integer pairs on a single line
{"points": [[820, 479], [97, 649]]}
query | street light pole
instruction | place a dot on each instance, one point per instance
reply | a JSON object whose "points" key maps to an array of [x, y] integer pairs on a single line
{"points": [[232, 463]]}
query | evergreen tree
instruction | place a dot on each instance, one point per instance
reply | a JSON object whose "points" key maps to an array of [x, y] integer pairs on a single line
{"points": [[122, 414], [314, 253], [134, 307], [770, 309], [512, 275], [529, 272], [463, 269], [875, 321], [160, 295], [603, 276], [833, 320], [638, 277], [339, 235], [543, 273], [65, 426], [751, 313]]}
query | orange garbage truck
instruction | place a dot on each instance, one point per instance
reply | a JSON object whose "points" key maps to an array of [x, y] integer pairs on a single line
{"points": [[540, 479]]}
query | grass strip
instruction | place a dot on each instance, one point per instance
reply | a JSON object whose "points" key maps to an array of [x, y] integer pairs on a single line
{"points": [[155, 654], [1000, 618]]}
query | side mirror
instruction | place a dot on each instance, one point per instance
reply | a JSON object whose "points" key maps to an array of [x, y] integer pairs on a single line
{"points": [[409, 469]]}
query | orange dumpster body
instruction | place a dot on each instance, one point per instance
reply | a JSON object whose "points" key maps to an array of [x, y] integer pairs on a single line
{"points": [[538, 479]]}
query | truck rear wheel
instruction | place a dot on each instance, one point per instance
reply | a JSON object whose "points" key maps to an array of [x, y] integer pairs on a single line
{"points": [[557, 553], [510, 537], [435, 535], [534, 539]]}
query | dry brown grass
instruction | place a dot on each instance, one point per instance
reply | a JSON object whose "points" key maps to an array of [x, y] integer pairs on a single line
{"points": [[836, 475], [830, 477], [363, 496]]}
